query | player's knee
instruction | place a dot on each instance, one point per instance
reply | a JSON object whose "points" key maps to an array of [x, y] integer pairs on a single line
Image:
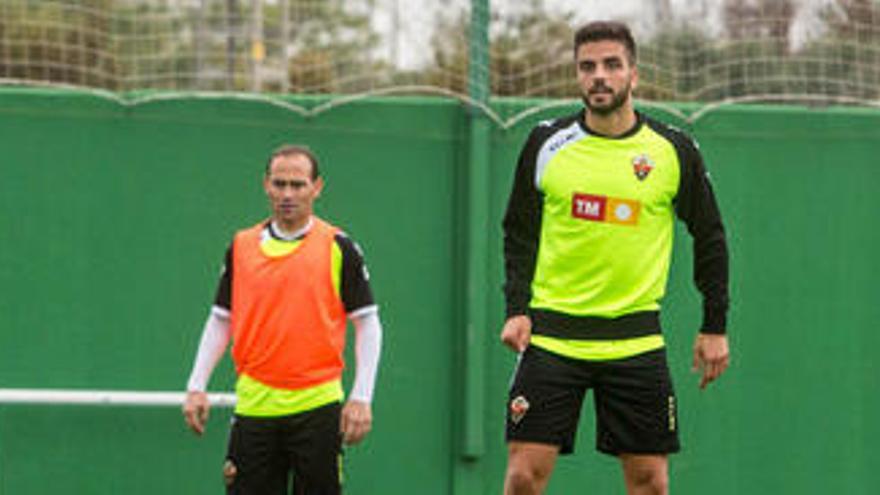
{"points": [[653, 481], [520, 480], [524, 479]]}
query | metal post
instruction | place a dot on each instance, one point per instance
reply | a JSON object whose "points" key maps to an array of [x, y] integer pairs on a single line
{"points": [[395, 34], [285, 33], [68, 397], [258, 48], [472, 444], [201, 40], [231, 26]]}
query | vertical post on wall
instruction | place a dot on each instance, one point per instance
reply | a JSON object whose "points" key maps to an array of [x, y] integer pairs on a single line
{"points": [[258, 47], [285, 32], [231, 28], [469, 445], [477, 221], [200, 43]]}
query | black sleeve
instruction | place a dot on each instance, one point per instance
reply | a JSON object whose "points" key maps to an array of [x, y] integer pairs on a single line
{"points": [[696, 206], [522, 228], [355, 281], [223, 296]]}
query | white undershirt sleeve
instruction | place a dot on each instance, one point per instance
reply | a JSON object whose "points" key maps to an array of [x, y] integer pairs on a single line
{"points": [[368, 344], [215, 338]]}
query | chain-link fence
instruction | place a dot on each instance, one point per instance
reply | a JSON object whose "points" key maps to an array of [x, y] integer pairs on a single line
{"points": [[711, 52]]}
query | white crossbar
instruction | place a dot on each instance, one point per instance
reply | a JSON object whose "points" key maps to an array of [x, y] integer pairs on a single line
{"points": [[104, 397]]}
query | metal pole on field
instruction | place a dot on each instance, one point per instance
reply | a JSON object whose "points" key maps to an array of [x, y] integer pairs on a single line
{"points": [[258, 47], [199, 43], [477, 221], [136, 398], [231, 28], [285, 31]]}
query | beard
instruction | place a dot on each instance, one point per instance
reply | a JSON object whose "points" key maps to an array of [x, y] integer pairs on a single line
{"points": [[617, 99]]}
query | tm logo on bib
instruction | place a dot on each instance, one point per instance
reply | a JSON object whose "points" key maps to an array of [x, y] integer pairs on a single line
{"points": [[605, 209]]}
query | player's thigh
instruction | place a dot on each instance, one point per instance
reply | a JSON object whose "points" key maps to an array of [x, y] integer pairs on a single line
{"points": [[545, 398], [314, 444], [255, 461], [636, 406]]}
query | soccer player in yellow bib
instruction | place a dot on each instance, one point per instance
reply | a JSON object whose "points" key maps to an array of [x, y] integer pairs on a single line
{"points": [[587, 246], [289, 284]]}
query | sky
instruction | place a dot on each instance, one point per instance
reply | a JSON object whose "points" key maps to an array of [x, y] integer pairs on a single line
{"points": [[416, 18]]}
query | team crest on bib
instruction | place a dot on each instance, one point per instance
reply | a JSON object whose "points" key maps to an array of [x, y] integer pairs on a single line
{"points": [[642, 166], [518, 408]]}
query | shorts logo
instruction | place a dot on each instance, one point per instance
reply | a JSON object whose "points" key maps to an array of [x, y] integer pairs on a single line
{"points": [[670, 410], [642, 166], [518, 408], [605, 209]]}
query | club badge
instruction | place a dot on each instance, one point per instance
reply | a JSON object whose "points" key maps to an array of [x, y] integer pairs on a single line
{"points": [[229, 472], [642, 166], [518, 408]]}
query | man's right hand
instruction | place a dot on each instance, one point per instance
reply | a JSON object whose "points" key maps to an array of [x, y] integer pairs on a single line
{"points": [[516, 332], [195, 411]]}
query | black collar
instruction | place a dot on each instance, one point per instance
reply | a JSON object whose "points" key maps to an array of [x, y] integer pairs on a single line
{"points": [[582, 120]]}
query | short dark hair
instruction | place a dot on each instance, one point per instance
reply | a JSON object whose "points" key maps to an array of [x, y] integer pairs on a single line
{"points": [[606, 31], [292, 150]]}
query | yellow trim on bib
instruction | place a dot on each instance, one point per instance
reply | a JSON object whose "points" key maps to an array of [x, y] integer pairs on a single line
{"points": [[275, 248], [336, 268], [258, 399], [599, 350]]}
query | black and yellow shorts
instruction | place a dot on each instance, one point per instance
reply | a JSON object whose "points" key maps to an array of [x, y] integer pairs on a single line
{"points": [[265, 452], [634, 402]]}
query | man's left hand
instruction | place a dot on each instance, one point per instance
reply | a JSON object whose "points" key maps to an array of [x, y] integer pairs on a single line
{"points": [[711, 356], [356, 421]]}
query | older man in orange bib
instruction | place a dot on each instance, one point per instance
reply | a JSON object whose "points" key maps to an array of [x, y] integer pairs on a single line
{"points": [[288, 286]]}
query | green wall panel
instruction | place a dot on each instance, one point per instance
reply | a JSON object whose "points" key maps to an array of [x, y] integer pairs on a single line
{"points": [[114, 220]]}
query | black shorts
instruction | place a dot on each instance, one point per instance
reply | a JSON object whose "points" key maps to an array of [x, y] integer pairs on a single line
{"points": [[634, 402], [266, 451]]}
